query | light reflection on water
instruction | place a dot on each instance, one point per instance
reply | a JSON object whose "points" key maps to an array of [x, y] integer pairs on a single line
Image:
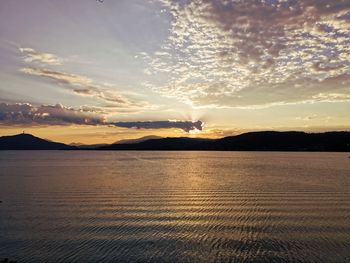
{"points": [[174, 207]]}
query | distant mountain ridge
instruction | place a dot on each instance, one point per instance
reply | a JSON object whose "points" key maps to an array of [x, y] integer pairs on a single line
{"points": [[286, 141], [82, 146], [29, 142], [142, 139], [252, 141], [171, 144]]}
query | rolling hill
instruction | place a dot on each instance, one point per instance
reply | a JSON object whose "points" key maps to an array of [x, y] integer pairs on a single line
{"points": [[30, 142], [252, 141]]}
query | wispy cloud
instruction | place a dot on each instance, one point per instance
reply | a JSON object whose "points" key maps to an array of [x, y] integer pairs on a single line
{"points": [[31, 55], [80, 85], [307, 118], [27, 114], [84, 86], [317, 98], [239, 53]]}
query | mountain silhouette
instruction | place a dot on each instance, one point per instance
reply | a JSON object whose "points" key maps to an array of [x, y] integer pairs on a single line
{"points": [[252, 141], [286, 141], [82, 146], [30, 142], [171, 144], [142, 139]]}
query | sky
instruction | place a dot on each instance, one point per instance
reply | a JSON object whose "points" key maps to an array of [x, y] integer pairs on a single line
{"points": [[86, 71]]}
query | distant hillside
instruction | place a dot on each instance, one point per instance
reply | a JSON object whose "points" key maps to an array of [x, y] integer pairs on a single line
{"points": [[30, 142], [170, 144], [285, 141], [82, 146], [142, 139], [253, 141]]}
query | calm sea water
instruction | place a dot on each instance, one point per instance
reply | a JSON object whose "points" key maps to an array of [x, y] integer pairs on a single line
{"points": [[174, 206]]}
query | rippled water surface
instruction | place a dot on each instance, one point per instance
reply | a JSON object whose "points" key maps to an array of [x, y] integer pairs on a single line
{"points": [[174, 206]]}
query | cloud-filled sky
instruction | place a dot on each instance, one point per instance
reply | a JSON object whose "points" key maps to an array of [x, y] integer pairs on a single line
{"points": [[90, 72]]}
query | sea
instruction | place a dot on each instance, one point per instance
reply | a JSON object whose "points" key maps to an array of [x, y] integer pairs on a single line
{"points": [[180, 206]]}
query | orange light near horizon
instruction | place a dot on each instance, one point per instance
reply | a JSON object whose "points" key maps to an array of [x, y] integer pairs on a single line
{"points": [[195, 131]]}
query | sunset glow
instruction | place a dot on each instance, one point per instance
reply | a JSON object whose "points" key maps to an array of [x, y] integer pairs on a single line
{"points": [[72, 70]]}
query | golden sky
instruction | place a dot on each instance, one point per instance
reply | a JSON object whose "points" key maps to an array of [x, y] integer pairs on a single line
{"points": [[92, 72]]}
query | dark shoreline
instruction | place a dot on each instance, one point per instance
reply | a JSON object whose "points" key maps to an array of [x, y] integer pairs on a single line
{"points": [[254, 141]]}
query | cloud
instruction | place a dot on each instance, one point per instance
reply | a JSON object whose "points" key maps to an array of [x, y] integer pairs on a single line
{"points": [[317, 98], [31, 55], [80, 85], [308, 118], [238, 53], [27, 114], [187, 126], [60, 77], [84, 86]]}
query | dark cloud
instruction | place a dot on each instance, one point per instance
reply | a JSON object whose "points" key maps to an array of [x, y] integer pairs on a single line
{"points": [[184, 125], [27, 114], [46, 114]]}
